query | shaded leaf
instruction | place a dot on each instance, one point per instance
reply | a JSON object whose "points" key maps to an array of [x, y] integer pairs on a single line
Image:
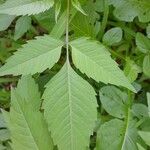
{"points": [[113, 101], [127, 10], [146, 65], [123, 136], [5, 21], [113, 36], [23, 24]]}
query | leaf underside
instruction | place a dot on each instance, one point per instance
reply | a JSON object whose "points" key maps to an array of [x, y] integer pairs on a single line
{"points": [[25, 119], [70, 109], [35, 56], [93, 59], [25, 7]]}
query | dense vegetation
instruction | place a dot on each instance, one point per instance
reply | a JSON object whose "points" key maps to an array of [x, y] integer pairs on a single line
{"points": [[75, 74]]}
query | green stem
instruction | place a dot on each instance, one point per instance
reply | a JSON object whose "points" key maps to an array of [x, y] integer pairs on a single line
{"points": [[67, 29], [104, 21]]}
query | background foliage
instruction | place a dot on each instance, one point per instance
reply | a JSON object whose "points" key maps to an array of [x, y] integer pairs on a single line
{"points": [[100, 79]]}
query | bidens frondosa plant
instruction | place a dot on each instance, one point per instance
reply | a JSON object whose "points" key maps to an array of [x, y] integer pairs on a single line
{"points": [[72, 94]]}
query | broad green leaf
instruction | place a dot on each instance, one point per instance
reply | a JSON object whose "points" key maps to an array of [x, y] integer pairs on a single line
{"points": [[127, 10], [146, 65], [117, 135], [25, 7], [112, 36], [35, 56], [5, 21], [27, 126], [113, 101], [142, 42], [131, 70], [70, 109], [148, 101], [23, 24], [93, 59], [145, 135]]}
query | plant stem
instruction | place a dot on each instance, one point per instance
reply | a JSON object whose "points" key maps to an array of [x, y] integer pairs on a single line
{"points": [[67, 29], [104, 21]]}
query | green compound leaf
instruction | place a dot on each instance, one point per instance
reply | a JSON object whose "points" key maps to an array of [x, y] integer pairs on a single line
{"points": [[70, 109]]}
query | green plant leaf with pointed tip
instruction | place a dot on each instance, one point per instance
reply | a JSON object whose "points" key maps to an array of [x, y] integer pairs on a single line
{"points": [[26, 124], [93, 59], [70, 109], [35, 56], [23, 24]]}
